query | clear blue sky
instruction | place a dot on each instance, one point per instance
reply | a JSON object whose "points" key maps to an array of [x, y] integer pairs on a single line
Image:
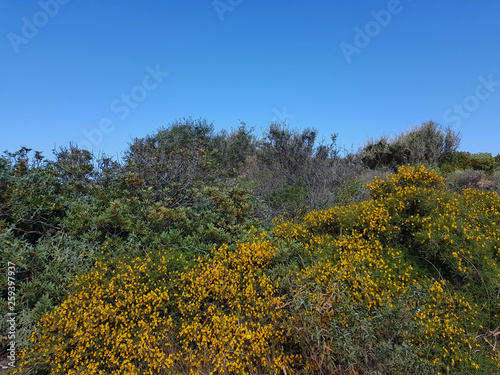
{"points": [[361, 69]]}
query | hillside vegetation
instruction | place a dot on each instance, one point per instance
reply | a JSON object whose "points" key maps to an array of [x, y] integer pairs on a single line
{"points": [[208, 253]]}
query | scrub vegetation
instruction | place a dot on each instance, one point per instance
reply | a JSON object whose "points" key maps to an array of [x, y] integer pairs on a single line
{"points": [[226, 253]]}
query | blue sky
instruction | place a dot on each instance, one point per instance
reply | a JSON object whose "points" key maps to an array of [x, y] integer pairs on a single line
{"points": [[100, 73]]}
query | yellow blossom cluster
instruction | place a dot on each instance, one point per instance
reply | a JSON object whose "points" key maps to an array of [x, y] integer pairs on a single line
{"points": [[114, 322], [407, 177], [441, 317], [139, 316], [231, 317]]}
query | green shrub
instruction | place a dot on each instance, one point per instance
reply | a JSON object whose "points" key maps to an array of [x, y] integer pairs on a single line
{"points": [[74, 164], [482, 161], [44, 270], [427, 144], [34, 199], [234, 147]]}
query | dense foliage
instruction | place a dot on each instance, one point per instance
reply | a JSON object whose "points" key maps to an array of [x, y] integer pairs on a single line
{"points": [[427, 144], [206, 252]]}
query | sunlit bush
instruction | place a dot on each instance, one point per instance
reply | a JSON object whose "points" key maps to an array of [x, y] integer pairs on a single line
{"points": [[114, 321], [143, 316], [404, 283], [232, 320]]}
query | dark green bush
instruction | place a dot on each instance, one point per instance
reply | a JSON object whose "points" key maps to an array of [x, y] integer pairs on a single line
{"points": [[44, 270], [483, 162], [234, 147], [427, 144]]}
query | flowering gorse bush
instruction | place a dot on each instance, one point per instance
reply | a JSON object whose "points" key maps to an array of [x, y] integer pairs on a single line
{"points": [[114, 321], [232, 320], [404, 283], [143, 316]]}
